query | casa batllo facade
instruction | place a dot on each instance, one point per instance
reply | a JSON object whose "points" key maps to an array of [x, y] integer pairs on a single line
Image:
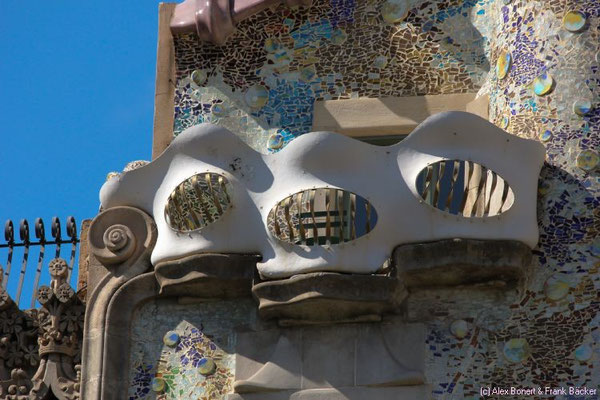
{"points": [[348, 199]]}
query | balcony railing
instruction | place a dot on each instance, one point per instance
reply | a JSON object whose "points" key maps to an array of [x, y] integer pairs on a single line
{"points": [[25, 247]]}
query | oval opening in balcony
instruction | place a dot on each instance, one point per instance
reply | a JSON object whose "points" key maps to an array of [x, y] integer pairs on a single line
{"points": [[197, 202], [321, 217], [464, 188]]}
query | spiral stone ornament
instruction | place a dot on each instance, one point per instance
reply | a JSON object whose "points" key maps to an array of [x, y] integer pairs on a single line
{"points": [[120, 241], [121, 234], [117, 237]]}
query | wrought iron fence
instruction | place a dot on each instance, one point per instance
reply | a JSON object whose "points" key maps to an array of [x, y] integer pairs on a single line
{"points": [[41, 243]]}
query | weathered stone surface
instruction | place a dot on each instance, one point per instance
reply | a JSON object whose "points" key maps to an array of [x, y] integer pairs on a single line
{"points": [[84, 260], [207, 275], [328, 357], [461, 262], [390, 355], [339, 356], [96, 272], [122, 238], [270, 360], [421, 392], [328, 297]]}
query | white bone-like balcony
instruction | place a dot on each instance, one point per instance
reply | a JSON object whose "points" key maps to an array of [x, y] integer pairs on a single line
{"points": [[499, 183]]}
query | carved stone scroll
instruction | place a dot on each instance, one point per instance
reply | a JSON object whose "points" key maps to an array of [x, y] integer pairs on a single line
{"points": [[122, 239], [120, 236]]}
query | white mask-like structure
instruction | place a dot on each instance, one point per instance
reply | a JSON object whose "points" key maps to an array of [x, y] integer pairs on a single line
{"points": [[327, 202]]}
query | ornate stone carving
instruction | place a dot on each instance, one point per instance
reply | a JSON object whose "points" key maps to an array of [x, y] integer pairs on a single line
{"points": [[119, 241], [60, 321], [61, 315], [18, 387], [40, 347], [120, 234], [18, 347], [122, 239]]}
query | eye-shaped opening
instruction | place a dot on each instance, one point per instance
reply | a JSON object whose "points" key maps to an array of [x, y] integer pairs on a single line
{"points": [[322, 216], [464, 188], [197, 202]]}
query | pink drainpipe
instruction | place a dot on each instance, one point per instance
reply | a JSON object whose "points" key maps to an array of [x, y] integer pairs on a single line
{"points": [[214, 20]]}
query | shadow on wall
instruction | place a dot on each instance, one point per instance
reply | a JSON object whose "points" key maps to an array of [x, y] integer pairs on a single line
{"points": [[462, 42], [568, 216]]}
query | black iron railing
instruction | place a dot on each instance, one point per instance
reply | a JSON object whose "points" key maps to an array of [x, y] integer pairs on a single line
{"points": [[41, 243]]}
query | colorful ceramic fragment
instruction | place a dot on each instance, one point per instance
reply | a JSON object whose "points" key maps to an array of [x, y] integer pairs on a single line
{"points": [[556, 289], [218, 110], [257, 96], [308, 74], [171, 338], [196, 95], [271, 45], [394, 11], [544, 187], [582, 107], [516, 350], [588, 160], [380, 62], [275, 142], [158, 385], [339, 37], [199, 76], [459, 328], [574, 21], [595, 248], [207, 366], [543, 84], [281, 59], [584, 353], [503, 64], [545, 135]]}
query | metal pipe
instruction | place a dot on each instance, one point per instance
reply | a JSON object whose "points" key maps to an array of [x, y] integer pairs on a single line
{"points": [[40, 234], [24, 235]]}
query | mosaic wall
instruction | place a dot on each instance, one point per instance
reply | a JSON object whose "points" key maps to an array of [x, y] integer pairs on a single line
{"points": [[262, 83], [538, 62], [544, 86], [186, 351]]}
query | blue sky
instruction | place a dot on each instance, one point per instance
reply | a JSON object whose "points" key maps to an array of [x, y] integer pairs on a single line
{"points": [[76, 101]]}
